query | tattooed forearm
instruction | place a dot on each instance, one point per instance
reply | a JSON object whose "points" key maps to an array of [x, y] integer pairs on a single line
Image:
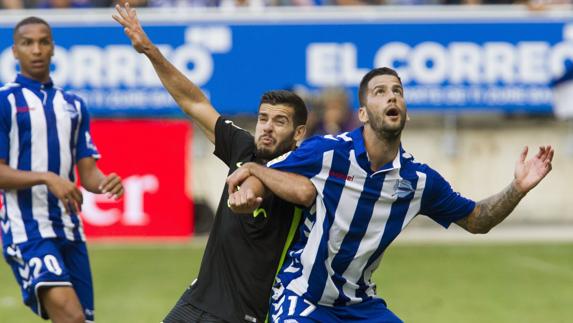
{"points": [[491, 211]]}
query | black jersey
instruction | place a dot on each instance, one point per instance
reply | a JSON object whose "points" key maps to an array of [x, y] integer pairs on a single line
{"points": [[243, 251]]}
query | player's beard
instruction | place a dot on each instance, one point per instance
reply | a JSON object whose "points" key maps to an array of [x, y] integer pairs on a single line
{"points": [[383, 130], [269, 153]]}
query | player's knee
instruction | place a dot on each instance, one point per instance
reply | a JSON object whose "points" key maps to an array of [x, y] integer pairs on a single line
{"points": [[66, 314], [77, 317], [62, 306]]}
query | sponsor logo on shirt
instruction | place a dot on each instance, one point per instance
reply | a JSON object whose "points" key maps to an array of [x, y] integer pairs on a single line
{"points": [[259, 211], [24, 109], [342, 176]]}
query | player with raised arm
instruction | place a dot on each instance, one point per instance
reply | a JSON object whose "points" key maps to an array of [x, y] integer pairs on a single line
{"points": [[244, 250], [44, 135], [368, 188]]}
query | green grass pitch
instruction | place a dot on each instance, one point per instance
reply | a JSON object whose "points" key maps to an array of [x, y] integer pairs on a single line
{"points": [[421, 282]]}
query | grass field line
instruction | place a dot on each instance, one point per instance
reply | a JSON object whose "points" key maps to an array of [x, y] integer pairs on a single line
{"points": [[541, 266]]}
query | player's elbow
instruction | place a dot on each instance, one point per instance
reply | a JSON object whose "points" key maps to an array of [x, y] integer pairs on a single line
{"points": [[478, 230], [476, 227], [306, 195]]}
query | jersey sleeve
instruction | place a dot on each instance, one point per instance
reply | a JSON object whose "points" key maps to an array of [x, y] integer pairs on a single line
{"points": [[230, 140], [85, 146], [441, 203], [5, 124], [306, 160]]}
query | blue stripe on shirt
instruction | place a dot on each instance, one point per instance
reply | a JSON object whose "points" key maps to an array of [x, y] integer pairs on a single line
{"points": [[332, 192], [393, 225], [55, 213], [357, 230]]}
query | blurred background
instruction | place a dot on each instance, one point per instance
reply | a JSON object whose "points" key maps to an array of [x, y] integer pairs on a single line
{"points": [[482, 80]]}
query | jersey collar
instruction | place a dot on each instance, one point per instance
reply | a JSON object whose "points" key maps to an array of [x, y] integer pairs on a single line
{"points": [[362, 154], [31, 83]]}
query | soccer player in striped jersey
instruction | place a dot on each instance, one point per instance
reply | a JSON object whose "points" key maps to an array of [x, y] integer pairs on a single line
{"points": [[368, 188], [44, 134], [244, 251]]}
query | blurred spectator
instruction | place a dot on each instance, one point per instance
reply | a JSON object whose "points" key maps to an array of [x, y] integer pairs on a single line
{"points": [[11, 4], [333, 113], [476, 2], [63, 4], [183, 3]]}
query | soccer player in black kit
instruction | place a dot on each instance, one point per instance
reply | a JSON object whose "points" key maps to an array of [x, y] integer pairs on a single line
{"points": [[244, 250]]}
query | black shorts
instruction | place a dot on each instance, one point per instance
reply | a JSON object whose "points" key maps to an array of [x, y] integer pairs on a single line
{"points": [[184, 312]]}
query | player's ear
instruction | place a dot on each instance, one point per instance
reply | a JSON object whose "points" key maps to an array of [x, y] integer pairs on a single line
{"points": [[14, 52], [363, 115], [299, 132]]}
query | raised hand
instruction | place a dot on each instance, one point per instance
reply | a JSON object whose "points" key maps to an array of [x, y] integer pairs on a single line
{"points": [[127, 17], [111, 186], [65, 191], [529, 172]]}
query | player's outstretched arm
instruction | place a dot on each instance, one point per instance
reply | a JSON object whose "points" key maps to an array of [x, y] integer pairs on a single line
{"points": [[290, 187], [95, 181], [63, 189], [491, 211], [187, 95]]}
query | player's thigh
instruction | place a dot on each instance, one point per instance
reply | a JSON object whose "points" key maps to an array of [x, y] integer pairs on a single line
{"points": [[37, 264], [61, 303], [373, 310], [76, 259]]}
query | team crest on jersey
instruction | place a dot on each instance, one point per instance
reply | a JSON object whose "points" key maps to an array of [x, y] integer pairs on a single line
{"points": [[278, 159], [403, 188]]}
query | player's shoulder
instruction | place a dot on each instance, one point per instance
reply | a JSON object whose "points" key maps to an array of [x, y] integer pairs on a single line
{"points": [[70, 95], [408, 160], [226, 127], [328, 142], [8, 88]]}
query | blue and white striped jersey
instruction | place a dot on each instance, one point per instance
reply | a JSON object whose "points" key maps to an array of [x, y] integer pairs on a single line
{"points": [[357, 214], [42, 128]]}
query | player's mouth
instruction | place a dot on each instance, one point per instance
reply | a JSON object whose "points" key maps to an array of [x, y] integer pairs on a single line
{"points": [[393, 113], [266, 140], [39, 63]]}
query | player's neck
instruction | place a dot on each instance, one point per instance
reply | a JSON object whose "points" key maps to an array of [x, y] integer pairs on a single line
{"points": [[42, 78], [380, 150]]}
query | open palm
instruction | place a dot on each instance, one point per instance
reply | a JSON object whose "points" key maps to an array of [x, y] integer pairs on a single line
{"points": [[529, 172]]}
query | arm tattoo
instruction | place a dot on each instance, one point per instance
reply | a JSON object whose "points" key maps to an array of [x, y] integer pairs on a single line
{"points": [[492, 210]]}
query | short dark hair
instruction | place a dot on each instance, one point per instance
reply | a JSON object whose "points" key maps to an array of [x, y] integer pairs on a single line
{"points": [[370, 75], [30, 21], [289, 99]]}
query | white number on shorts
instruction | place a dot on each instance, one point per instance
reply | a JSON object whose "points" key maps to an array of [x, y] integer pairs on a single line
{"points": [[292, 307], [36, 265], [50, 262]]}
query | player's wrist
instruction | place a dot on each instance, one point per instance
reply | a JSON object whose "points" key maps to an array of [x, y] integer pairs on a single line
{"points": [[518, 188], [45, 178], [253, 169], [150, 50]]}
